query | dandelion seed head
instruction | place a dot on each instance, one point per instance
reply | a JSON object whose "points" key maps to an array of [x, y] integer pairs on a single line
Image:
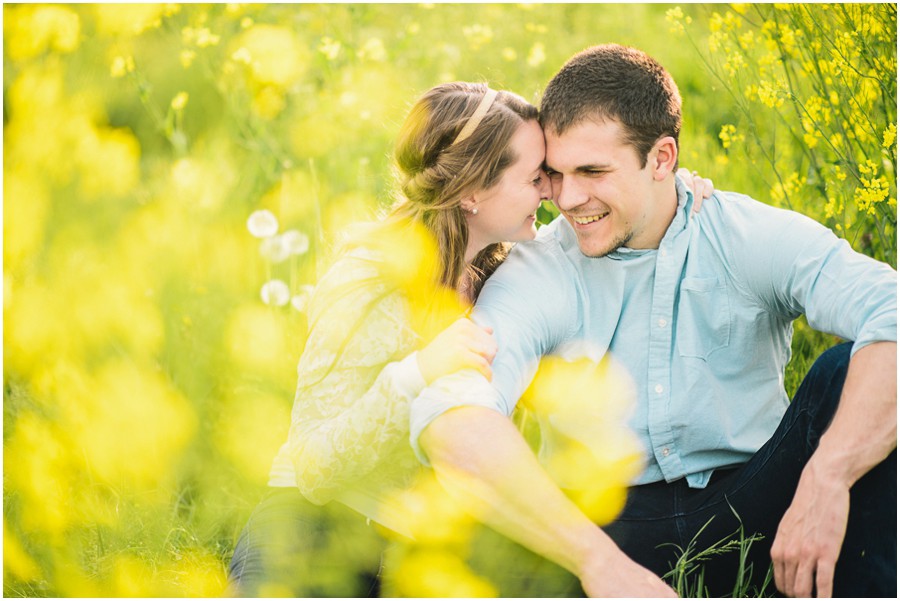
{"points": [[262, 223], [275, 293], [296, 242], [274, 249]]}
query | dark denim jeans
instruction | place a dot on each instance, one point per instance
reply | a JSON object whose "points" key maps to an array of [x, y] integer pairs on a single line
{"points": [[293, 548], [760, 491]]}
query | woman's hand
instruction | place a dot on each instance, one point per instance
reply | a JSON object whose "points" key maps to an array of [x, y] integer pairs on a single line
{"points": [[702, 187], [463, 345]]}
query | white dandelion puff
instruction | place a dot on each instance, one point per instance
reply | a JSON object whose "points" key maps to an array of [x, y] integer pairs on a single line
{"points": [[275, 293], [296, 242], [262, 223], [275, 249]]}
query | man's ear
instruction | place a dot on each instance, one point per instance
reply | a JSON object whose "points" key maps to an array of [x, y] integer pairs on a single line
{"points": [[663, 157]]}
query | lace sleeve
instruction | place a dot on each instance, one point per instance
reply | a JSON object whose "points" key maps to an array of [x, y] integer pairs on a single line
{"points": [[351, 409]]}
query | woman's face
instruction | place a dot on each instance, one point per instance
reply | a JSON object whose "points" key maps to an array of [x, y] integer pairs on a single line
{"points": [[507, 210]]}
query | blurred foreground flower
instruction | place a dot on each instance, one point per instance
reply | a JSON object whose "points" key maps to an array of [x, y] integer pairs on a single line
{"points": [[586, 445]]}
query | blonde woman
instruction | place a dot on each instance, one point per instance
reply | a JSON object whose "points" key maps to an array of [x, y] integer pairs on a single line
{"points": [[469, 167]]}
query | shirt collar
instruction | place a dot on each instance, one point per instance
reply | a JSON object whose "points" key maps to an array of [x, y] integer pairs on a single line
{"points": [[683, 215]]}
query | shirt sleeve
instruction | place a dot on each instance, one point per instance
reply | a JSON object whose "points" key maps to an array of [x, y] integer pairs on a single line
{"points": [[530, 302], [354, 381], [795, 266]]}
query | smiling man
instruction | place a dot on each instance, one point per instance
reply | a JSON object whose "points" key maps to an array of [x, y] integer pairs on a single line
{"points": [[699, 309]]}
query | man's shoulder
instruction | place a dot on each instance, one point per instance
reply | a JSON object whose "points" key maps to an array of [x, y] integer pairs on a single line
{"points": [[731, 217], [730, 205]]}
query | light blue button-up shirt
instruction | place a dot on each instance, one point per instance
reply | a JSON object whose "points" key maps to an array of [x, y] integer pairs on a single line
{"points": [[703, 324]]}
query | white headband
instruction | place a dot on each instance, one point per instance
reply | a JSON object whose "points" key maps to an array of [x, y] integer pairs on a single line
{"points": [[477, 116]]}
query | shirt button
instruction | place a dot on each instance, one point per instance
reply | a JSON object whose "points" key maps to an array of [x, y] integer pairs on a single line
{"points": [[662, 323], [666, 452], [663, 252], [658, 389]]}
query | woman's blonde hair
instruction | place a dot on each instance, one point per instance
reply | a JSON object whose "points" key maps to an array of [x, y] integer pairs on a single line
{"points": [[434, 172]]}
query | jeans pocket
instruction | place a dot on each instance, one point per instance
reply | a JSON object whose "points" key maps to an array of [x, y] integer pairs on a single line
{"points": [[704, 317]]}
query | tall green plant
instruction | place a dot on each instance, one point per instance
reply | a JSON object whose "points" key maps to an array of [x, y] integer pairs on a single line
{"points": [[813, 89]]}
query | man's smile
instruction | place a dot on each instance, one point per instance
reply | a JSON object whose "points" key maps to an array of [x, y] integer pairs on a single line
{"points": [[586, 219]]}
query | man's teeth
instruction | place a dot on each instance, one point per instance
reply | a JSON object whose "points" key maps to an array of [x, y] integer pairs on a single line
{"points": [[588, 219]]}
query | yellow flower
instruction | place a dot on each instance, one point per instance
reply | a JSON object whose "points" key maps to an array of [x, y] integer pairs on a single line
{"points": [[677, 20], [536, 55], [121, 65], [373, 50], [32, 30], [889, 136], [272, 53], [187, 58], [329, 47], [726, 133], [478, 35], [180, 101], [127, 18]]}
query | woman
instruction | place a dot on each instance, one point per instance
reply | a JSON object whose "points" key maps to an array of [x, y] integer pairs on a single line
{"points": [[469, 168]]}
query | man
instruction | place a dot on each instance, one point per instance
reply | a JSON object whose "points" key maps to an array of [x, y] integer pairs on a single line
{"points": [[699, 310]]}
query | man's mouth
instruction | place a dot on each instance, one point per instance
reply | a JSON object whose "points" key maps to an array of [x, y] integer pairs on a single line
{"points": [[586, 219]]}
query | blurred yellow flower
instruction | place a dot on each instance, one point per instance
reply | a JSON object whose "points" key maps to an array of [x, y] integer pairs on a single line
{"points": [[256, 339], [329, 47], [121, 66], [273, 54], [437, 573], [16, 561], [109, 160], [432, 516], [373, 49], [586, 445], [131, 424], [478, 35], [26, 202], [30, 30], [180, 101], [186, 57], [269, 102], [127, 18], [252, 425], [39, 466], [536, 55]]}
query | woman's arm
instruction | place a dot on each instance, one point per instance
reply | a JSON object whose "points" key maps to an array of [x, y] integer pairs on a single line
{"points": [[358, 375], [353, 386]]}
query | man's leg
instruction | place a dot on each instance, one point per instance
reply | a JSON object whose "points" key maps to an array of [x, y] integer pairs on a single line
{"points": [[760, 491], [293, 548]]}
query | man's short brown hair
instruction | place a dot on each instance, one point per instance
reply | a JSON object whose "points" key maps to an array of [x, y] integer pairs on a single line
{"points": [[615, 82]]}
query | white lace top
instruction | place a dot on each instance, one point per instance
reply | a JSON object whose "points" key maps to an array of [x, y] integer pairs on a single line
{"points": [[349, 435]]}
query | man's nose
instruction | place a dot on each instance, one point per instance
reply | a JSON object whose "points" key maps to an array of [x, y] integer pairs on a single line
{"points": [[568, 193]]}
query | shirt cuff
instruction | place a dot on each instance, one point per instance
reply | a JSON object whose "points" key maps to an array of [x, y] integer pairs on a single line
{"points": [[408, 377], [460, 389]]}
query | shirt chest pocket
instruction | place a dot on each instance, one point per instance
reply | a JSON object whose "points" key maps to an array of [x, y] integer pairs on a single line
{"points": [[704, 317]]}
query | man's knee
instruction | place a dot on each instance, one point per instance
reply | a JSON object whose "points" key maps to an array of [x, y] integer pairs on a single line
{"points": [[820, 392], [830, 369]]}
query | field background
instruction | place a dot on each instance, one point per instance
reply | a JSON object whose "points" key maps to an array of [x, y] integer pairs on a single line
{"points": [[146, 382]]}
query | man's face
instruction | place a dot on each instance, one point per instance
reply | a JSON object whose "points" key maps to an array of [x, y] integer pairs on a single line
{"points": [[601, 189]]}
